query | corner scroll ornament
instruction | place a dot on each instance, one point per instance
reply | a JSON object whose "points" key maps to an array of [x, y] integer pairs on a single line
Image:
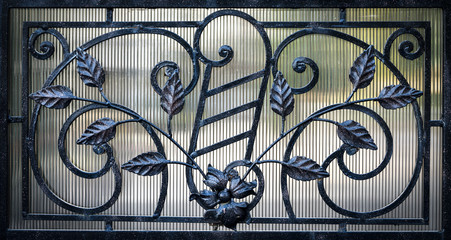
{"points": [[223, 199]]}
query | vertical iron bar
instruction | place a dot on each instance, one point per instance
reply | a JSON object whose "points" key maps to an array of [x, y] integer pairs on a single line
{"points": [[4, 161], [342, 15], [109, 15], [25, 143], [446, 177], [427, 118]]}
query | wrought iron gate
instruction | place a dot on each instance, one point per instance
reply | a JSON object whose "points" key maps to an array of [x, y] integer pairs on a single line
{"points": [[225, 194]]}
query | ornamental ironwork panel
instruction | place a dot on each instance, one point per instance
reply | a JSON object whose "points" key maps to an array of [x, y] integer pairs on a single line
{"points": [[227, 195]]}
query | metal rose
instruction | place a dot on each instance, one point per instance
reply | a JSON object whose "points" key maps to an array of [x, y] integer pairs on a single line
{"points": [[229, 212]]}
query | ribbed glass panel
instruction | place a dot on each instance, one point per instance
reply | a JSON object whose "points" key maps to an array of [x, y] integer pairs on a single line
{"points": [[413, 71], [128, 61]]}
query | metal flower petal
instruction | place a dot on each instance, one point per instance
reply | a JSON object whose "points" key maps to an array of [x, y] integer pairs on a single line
{"points": [[228, 214], [240, 188], [216, 179], [208, 198]]}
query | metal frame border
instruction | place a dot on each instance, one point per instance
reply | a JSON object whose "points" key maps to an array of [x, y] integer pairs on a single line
{"points": [[445, 122]]}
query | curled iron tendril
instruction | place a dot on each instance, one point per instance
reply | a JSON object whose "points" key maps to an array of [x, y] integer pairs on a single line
{"points": [[47, 48], [405, 47]]}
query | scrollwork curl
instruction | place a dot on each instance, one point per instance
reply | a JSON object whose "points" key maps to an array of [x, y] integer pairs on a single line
{"points": [[110, 164], [405, 48], [225, 51], [338, 154], [47, 48], [153, 75], [299, 66], [388, 142]]}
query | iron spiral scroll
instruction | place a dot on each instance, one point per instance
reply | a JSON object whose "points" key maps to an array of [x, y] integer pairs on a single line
{"points": [[221, 200]]}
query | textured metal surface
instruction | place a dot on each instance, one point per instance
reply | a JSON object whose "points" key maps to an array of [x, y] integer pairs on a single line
{"points": [[212, 120]]}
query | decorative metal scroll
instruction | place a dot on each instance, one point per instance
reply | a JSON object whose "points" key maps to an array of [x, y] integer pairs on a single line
{"points": [[223, 190]]}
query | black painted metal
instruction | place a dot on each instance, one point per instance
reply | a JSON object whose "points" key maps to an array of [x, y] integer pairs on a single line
{"points": [[299, 65], [224, 3], [446, 118], [4, 113], [63, 235]]}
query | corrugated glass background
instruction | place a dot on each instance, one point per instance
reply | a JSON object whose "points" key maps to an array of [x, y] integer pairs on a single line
{"points": [[128, 61]]}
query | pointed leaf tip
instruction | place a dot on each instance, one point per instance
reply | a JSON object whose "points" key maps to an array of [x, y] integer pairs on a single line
{"points": [[146, 164], [362, 71], [304, 169], [99, 132], [356, 135], [57, 97]]}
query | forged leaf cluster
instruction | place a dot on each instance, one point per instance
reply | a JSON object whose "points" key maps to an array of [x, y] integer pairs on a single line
{"points": [[146, 164], [362, 71], [228, 214], [397, 96], [172, 98], [304, 169], [57, 97], [99, 132], [356, 135], [281, 98], [90, 70]]}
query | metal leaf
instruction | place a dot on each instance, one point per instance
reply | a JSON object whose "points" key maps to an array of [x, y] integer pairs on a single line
{"points": [[362, 71], [172, 98], [90, 70], [228, 214], [216, 179], [146, 164], [397, 96], [356, 135], [240, 188], [304, 169], [99, 132], [281, 98], [57, 96], [208, 198]]}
